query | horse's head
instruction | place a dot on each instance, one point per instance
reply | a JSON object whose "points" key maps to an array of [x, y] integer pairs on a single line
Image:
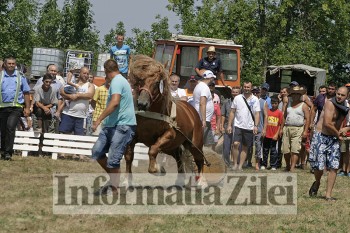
{"points": [[150, 80]]}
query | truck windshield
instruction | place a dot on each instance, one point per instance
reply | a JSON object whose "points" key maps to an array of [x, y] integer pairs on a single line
{"points": [[164, 54], [228, 60]]}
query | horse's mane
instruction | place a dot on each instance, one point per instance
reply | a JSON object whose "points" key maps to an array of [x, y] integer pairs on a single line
{"points": [[146, 68]]}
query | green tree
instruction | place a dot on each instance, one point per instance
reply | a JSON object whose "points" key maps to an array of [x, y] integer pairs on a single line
{"points": [[49, 25], [143, 41], [67, 26], [314, 32], [17, 31]]}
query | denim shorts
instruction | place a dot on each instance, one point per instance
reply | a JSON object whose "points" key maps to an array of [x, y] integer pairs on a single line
{"points": [[113, 140], [324, 152]]}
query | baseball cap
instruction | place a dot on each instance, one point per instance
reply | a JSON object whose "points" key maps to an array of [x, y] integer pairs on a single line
{"points": [[265, 86], [208, 74], [294, 83]]}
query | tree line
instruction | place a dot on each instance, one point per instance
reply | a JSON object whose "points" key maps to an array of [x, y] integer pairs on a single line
{"points": [[272, 32]]}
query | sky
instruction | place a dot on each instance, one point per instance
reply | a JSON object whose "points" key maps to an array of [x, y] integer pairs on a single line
{"points": [[133, 13]]}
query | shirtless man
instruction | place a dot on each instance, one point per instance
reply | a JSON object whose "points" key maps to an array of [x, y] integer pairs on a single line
{"points": [[325, 147]]}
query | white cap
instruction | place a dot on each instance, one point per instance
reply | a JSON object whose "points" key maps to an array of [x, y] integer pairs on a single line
{"points": [[208, 74]]}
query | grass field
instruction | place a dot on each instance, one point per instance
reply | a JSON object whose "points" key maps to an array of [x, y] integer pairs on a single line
{"points": [[26, 206]]}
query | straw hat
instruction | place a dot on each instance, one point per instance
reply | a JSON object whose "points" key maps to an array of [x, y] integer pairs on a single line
{"points": [[297, 90], [211, 49]]}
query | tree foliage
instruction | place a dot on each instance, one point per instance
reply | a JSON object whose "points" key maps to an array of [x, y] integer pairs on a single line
{"points": [[314, 32], [17, 28], [49, 25]]}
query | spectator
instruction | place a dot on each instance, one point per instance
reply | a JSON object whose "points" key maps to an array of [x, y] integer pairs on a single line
{"points": [[225, 112], [322, 90], [203, 103], [245, 111], [325, 151], [176, 92], [258, 138], [283, 96], [192, 82], [215, 121], [99, 104], [265, 87], [73, 116], [272, 127], [118, 130], [45, 99], [91, 109], [14, 100], [121, 54], [319, 102], [56, 84], [217, 95], [296, 126], [212, 63]]}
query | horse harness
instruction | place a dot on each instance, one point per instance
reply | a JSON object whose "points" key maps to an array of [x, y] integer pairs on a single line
{"points": [[171, 120]]}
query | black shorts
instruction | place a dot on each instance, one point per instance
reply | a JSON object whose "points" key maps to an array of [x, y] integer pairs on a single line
{"points": [[244, 136]]}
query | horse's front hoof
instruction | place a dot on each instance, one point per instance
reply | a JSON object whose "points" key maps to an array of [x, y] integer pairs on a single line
{"points": [[159, 171]]}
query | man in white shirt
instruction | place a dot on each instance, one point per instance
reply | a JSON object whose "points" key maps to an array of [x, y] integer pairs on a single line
{"points": [[204, 105], [245, 110], [176, 92]]}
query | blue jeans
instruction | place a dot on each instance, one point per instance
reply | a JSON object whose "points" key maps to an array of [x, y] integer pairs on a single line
{"points": [[113, 140], [228, 139], [270, 147]]}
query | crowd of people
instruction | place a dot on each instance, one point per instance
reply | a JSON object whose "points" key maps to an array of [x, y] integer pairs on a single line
{"points": [[289, 124]]}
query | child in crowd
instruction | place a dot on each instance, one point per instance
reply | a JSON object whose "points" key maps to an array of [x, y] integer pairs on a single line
{"points": [[272, 127]]}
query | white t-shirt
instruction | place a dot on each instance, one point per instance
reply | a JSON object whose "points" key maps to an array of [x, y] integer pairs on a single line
{"points": [[178, 93], [243, 118], [202, 89]]}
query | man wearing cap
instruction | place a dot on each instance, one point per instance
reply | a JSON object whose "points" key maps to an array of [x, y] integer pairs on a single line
{"points": [[204, 105], [210, 63], [245, 111], [121, 54]]}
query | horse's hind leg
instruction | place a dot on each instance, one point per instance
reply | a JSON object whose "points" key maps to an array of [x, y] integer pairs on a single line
{"points": [[129, 157], [178, 155]]}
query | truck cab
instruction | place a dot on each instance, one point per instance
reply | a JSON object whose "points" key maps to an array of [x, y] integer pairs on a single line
{"points": [[181, 54]]}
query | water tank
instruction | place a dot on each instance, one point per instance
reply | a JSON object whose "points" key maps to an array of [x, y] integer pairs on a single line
{"points": [[43, 57], [78, 59], [102, 58]]}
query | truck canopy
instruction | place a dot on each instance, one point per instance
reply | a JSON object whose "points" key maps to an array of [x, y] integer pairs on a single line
{"points": [[281, 76]]}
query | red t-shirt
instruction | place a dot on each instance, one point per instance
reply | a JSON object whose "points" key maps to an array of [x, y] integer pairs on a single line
{"points": [[274, 120]]}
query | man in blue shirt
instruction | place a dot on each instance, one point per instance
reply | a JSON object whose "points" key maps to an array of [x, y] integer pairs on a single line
{"points": [[121, 54], [14, 96], [119, 127]]}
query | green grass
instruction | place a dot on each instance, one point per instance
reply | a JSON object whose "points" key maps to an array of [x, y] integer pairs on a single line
{"points": [[26, 205]]}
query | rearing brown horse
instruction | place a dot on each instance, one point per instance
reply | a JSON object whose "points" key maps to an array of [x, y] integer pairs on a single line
{"points": [[156, 128]]}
